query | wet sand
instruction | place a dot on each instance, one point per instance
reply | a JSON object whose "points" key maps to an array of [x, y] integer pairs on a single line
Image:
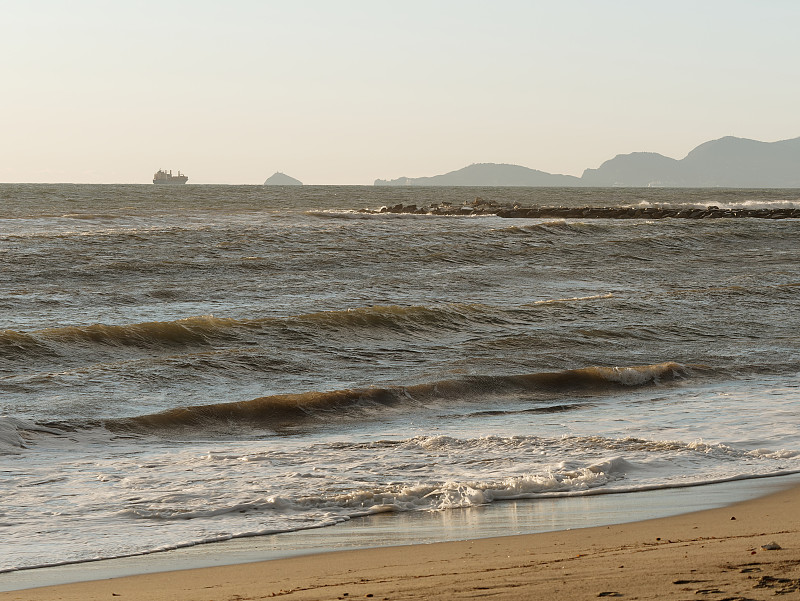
{"points": [[715, 554]]}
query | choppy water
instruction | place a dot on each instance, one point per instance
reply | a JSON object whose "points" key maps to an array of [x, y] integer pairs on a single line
{"points": [[189, 364]]}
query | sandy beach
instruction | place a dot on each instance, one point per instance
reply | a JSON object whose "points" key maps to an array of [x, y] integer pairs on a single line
{"points": [[716, 554]]}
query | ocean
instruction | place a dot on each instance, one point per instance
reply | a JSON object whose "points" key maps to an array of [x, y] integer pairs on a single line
{"points": [[189, 364]]}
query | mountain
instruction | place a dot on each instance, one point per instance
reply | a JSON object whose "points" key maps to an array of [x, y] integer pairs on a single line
{"points": [[741, 163], [487, 174], [726, 163], [638, 169], [281, 179]]}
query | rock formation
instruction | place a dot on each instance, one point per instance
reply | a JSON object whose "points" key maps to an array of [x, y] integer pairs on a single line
{"points": [[281, 179]]}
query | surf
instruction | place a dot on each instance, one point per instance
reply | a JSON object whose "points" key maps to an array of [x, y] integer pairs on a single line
{"points": [[283, 410]]}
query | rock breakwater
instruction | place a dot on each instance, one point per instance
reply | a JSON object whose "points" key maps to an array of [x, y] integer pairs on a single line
{"points": [[481, 207], [649, 213]]}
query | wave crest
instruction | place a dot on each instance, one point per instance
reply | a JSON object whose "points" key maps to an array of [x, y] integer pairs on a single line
{"points": [[190, 329], [279, 411], [205, 330]]}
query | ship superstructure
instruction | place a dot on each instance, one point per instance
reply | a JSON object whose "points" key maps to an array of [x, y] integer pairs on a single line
{"points": [[166, 177]]}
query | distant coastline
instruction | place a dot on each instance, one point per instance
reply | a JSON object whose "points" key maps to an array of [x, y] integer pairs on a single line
{"points": [[728, 162]]}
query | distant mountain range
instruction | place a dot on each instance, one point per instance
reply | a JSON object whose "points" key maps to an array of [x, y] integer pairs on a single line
{"points": [[488, 174], [727, 163]]}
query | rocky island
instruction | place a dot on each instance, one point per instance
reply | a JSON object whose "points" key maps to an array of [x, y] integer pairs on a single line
{"points": [[281, 179]]}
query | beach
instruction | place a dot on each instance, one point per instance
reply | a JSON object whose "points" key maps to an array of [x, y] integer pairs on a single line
{"points": [[722, 553]]}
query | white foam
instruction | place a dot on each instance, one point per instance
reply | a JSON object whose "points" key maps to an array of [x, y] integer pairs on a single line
{"points": [[570, 299], [769, 454], [747, 204], [636, 376], [143, 494]]}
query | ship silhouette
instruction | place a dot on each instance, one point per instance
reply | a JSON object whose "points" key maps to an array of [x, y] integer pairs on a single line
{"points": [[164, 177]]}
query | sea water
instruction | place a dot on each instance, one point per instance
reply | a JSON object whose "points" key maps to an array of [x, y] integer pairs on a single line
{"points": [[190, 364]]}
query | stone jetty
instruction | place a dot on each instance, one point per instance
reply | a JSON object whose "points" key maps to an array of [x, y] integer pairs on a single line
{"points": [[649, 213], [481, 207]]}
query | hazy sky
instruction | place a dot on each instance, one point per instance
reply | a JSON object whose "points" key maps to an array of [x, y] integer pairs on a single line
{"points": [[347, 91]]}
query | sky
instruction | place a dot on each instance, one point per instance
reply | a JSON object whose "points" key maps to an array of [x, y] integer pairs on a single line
{"points": [[348, 91]]}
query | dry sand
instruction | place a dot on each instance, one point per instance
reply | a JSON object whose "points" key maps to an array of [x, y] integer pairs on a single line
{"points": [[716, 555]]}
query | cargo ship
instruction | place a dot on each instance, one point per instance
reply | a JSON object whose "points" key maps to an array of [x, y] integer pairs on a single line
{"points": [[164, 177]]}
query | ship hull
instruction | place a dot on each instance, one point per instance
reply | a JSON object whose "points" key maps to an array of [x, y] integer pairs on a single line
{"points": [[171, 182]]}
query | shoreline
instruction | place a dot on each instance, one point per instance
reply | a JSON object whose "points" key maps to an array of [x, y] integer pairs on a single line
{"points": [[384, 534]]}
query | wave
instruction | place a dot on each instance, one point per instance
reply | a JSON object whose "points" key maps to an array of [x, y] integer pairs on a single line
{"points": [[618, 459], [205, 330], [20, 344], [89, 216], [612, 466], [14, 431], [729, 204], [561, 228], [570, 299], [348, 214], [397, 317], [191, 330], [284, 410], [588, 481], [546, 409]]}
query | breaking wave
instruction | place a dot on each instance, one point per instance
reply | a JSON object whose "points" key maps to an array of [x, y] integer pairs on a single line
{"points": [[608, 474], [730, 204], [287, 409]]}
